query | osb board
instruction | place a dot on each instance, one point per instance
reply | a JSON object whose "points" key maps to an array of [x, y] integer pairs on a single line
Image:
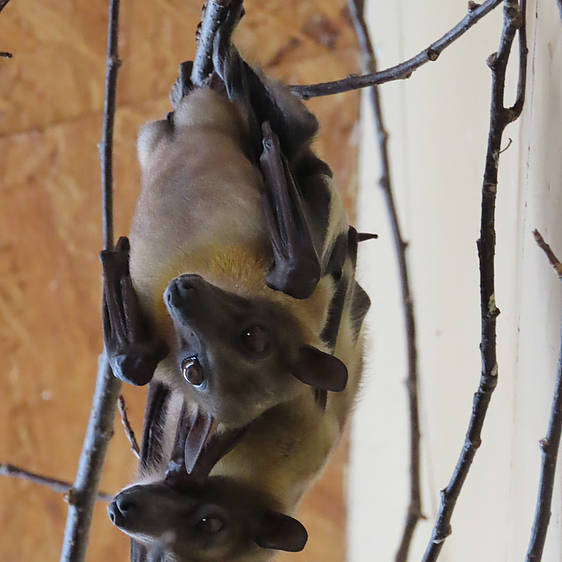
{"points": [[51, 99]]}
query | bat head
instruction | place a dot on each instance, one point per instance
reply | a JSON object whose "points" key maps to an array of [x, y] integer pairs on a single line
{"points": [[237, 357], [218, 521]]}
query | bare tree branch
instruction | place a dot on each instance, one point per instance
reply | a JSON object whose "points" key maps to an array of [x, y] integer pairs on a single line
{"points": [[81, 496], [549, 253], [500, 117], [549, 445], [60, 486], [404, 69], [214, 13], [414, 512], [106, 147], [129, 432]]}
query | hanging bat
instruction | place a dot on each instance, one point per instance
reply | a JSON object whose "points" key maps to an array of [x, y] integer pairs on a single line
{"points": [[239, 246], [176, 516]]}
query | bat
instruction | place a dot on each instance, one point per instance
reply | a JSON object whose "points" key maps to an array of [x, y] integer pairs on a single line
{"points": [[172, 515], [238, 248]]}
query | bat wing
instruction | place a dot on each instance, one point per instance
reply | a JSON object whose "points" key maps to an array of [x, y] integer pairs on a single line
{"points": [[155, 411], [139, 552], [296, 266], [133, 351], [296, 200]]}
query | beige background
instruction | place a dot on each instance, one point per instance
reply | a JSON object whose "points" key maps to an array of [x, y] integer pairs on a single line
{"points": [[51, 98], [438, 122]]}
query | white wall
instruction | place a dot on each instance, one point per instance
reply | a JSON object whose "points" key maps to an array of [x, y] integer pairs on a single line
{"points": [[438, 122]]}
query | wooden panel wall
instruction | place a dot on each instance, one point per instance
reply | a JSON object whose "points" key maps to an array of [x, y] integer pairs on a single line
{"points": [[51, 99]]}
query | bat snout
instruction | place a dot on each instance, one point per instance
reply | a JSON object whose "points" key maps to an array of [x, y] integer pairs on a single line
{"points": [[188, 283], [113, 513], [122, 509], [182, 290]]}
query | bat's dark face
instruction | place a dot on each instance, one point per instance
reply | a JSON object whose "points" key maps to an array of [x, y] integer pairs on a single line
{"points": [[209, 523], [234, 355]]}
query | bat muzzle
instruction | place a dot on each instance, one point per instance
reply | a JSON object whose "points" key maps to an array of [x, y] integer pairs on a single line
{"points": [[181, 293], [121, 510], [143, 508]]}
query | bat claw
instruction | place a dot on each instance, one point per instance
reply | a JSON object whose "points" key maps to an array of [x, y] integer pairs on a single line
{"points": [[136, 366]]}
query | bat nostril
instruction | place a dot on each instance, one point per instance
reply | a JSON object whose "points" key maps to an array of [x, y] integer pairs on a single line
{"points": [[182, 289], [171, 295], [185, 289], [125, 505], [186, 285], [116, 513]]}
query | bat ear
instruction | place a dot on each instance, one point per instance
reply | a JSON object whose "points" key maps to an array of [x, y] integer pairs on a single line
{"points": [[362, 236], [280, 532], [319, 369]]}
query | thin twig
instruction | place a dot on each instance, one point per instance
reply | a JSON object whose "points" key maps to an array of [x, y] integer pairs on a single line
{"points": [[60, 486], [129, 432], [509, 143], [500, 117], [215, 12], [81, 496], [414, 511], [106, 147], [404, 69], [549, 445], [549, 253]]}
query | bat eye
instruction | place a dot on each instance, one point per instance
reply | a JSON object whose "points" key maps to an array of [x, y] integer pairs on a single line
{"points": [[191, 371], [210, 525], [255, 339]]}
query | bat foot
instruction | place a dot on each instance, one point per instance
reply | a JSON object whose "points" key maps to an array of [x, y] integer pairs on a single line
{"points": [[183, 85], [132, 348], [136, 366]]}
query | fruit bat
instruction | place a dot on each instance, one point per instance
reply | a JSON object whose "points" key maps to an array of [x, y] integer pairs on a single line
{"points": [[241, 256]]}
